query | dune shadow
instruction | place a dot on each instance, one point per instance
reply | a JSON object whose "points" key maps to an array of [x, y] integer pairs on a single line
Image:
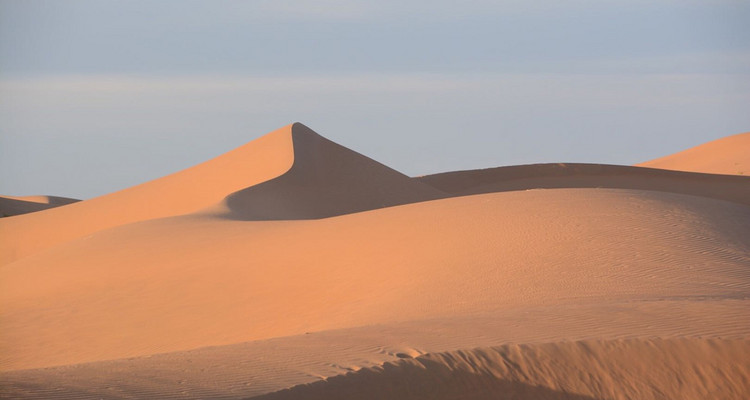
{"points": [[325, 180], [10, 207], [425, 379], [580, 175]]}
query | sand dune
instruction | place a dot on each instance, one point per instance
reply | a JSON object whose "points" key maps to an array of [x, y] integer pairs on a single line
{"points": [[631, 369], [729, 156], [292, 259], [254, 368], [291, 173], [180, 193], [568, 175], [15, 205], [325, 180], [186, 282]]}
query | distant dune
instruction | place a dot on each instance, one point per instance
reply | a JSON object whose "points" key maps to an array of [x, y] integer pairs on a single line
{"points": [[293, 267], [728, 156], [15, 205], [570, 175]]}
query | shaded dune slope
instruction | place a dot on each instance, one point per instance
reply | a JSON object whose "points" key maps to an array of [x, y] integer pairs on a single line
{"points": [[572, 175], [729, 155], [325, 180], [618, 370], [14, 205]]}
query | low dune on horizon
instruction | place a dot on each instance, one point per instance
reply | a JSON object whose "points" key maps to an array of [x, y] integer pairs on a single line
{"points": [[295, 268], [17, 205], [728, 156]]}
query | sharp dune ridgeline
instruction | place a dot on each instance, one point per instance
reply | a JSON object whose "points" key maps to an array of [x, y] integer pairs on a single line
{"points": [[293, 267]]}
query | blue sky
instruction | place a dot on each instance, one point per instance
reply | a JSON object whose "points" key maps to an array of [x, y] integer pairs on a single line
{"points": [[96, 96]]}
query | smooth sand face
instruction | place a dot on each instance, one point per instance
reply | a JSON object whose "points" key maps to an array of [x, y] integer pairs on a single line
{"points": [[729, 156], [180, 193], [329, 262], [185, 282]]}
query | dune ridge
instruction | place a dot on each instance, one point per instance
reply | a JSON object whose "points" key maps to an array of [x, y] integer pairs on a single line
{"points": [[291, 173], [622, 369], [183, 192], [325, 180], [729, 156], [572, 175], [17, 205], [254, 368]]}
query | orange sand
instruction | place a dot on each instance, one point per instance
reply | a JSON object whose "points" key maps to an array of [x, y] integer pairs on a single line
{"points": [[729, 156], [292, 259]]}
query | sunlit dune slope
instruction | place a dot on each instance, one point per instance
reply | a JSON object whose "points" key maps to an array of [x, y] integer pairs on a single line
{"points": [[571, 175], [729, 155], [179, 193], [648, 369], [318, 178], [192, 281], [17, 205]]}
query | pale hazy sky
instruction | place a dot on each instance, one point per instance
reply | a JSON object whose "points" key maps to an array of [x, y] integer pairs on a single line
{"points": [[96, 96]]}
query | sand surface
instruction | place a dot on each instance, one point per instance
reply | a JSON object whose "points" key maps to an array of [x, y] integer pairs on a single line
{"points": [[729, 156], [292, 267]]}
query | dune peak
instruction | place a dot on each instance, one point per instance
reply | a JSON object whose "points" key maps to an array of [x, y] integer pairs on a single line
{"points": [[325, 180]]}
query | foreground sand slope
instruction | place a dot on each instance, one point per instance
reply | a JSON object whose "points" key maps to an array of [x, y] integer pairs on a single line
{"points": [[254, 368], [17, 205], [589, 370], [186, 282], [729, 156]]}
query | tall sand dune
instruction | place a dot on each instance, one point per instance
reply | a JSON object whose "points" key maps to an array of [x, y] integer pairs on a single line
{"points": [[325, 180], [180, 193], [315, 178], [728, 156], [17, 205], [294, 263]]}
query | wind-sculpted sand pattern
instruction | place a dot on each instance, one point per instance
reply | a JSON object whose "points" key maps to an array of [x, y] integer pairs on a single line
{"points": [[254, 368], [617, 369]]}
